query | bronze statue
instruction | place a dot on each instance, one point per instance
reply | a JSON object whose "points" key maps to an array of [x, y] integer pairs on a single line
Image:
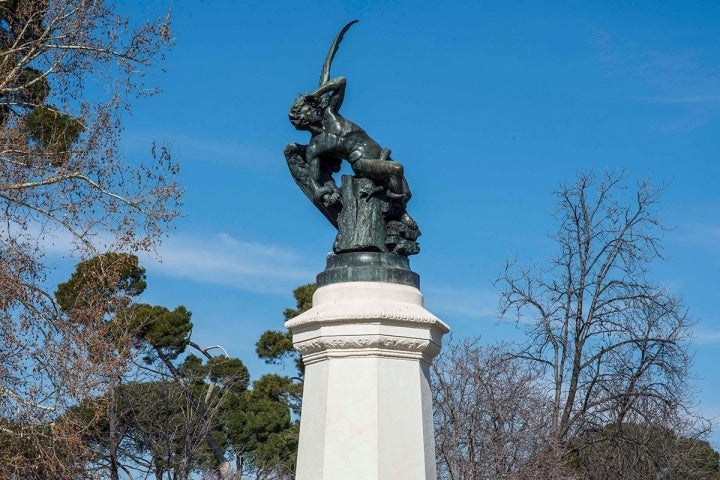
{"points": [[370, 208]]}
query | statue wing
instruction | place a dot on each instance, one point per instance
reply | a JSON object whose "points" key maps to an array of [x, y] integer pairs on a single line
{"points": [[300, 170]]}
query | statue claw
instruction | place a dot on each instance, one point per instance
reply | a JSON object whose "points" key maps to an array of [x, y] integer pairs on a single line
{"points": [[397, 196], [374, 192], [330, 199], [408, 221]]}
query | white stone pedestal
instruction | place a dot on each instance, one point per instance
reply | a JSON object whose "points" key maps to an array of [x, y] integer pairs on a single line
{"points": [[367, 406]]}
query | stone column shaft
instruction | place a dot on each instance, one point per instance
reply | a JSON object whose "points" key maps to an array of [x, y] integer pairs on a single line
{"points": [[367, 406]]}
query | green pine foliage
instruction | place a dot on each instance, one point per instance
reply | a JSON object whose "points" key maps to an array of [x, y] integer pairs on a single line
{"points": [[275, 346], [202, 404], [303, 300], [231, 372], [51, 129], [165, 330], [34, 86], [100, 278], [260, 426], [45, 125]]}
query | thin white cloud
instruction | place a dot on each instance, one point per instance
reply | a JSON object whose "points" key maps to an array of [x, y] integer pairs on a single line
{"points": [[225, 152], [706, 336], [224, 260], [461, 302], [217, 258], [686, 78], [704, 235]]}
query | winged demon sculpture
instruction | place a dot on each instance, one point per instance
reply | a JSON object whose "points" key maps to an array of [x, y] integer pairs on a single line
{"points": [[369, 208]]}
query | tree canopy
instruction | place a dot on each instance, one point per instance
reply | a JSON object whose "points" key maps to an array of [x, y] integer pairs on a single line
{"points": [[600, 386], [167, 406], [65, 182]]}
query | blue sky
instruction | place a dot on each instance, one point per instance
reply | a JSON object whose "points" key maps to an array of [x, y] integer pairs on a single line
{"points": [[489, 105]]}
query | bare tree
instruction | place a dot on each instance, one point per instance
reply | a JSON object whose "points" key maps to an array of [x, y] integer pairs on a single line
{"points": [[491, 414], [68, 70], [614, 345], [644, 452]]}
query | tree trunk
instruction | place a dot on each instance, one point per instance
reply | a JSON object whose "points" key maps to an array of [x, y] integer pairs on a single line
{"points": [[112, 420], [223, 470]]}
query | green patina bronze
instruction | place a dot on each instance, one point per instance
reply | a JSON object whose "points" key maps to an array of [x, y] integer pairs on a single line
{"points": [[368, 267], [369, 209]]}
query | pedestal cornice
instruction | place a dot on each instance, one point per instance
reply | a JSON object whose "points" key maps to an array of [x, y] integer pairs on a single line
{"points": [[389, 321]]}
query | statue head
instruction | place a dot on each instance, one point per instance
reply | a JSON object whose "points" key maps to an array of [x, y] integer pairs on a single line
{"points": [[306, 111]]}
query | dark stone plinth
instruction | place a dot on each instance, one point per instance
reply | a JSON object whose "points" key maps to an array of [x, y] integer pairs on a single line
{"points": [[368, 267]]}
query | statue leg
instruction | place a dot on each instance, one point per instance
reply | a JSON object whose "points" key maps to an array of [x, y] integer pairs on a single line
{"points": [[382, 170], [377, 168]]}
